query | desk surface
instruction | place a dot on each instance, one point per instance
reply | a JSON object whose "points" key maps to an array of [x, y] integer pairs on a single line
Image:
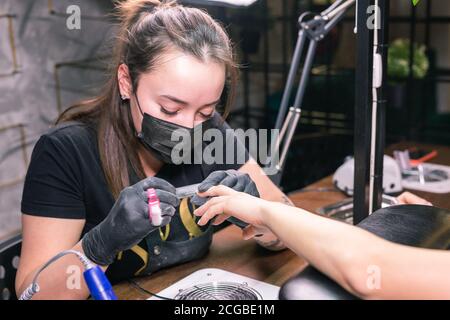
{"points": [[229, 252]]}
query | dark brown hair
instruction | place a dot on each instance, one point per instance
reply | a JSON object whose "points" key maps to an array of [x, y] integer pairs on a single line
{"points": [[148, 29]]}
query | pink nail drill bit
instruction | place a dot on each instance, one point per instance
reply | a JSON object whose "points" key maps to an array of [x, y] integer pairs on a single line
{"points": [[154, 210]]}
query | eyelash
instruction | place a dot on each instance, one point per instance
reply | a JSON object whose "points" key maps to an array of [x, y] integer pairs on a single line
{"points": [[207, 116], [165, 111]]}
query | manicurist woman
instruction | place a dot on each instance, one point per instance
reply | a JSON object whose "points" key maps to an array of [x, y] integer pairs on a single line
{"points": [[86, 187]]}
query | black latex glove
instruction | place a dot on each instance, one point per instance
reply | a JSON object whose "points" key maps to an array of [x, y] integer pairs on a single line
{"points": [[231, 178], [128, 221]]}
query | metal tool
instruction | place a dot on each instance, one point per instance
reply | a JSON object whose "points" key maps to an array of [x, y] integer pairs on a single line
{"points": [[343, 210], [187, 191]]}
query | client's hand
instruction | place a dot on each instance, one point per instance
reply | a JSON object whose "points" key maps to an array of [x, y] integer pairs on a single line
{"points": [[233, 179], [409, 198], [226, 202]]}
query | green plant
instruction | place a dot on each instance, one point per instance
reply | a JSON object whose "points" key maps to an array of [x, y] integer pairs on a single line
{"points": [[398, 60]]}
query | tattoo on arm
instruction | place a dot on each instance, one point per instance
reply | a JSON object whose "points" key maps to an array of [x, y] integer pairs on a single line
{"points": [[287, 201], [274, 245]]}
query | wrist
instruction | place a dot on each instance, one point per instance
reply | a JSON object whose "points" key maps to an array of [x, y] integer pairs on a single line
{"points": [[266, 212], [94, 249], [79, 247]]}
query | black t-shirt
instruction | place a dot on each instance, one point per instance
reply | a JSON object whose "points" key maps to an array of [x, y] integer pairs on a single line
{"points": [[65, 179]]}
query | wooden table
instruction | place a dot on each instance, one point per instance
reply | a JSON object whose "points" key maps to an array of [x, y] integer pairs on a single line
{"points": [[438, 200], [229, 252]]}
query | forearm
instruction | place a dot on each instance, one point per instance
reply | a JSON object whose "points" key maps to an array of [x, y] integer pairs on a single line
{"points": [[341, 251], [362, 263], [63, 279], [412, 273], [267, 191], [270, 240]]}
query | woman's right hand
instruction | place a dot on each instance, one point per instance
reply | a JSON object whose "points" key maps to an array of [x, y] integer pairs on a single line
{"points": [[128, 221]]}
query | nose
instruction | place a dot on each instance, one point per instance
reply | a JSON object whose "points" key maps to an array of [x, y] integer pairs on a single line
{"points": [[188, 120]]}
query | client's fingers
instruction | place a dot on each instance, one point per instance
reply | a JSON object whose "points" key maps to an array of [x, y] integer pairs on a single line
{"points": [[211, 212], [198, 201], [409, 198], [220, 219], [201, 197], [219, 190], [200, 211]]}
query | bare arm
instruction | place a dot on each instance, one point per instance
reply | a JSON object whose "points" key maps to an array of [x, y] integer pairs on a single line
{"points": [[42, 239], [126, 224], [362, 263], [268, 191]]}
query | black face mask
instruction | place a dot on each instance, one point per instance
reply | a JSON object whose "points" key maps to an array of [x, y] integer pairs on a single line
{"points": [[157, 135]]}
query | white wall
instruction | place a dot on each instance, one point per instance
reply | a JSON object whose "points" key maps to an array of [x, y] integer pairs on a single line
{"points": [[28, 97]]}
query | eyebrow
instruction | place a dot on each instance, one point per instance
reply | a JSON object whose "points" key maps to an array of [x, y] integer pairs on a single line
{"points": [[174, 99]]}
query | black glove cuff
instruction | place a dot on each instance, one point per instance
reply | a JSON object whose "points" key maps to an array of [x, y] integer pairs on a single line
{"points": [[94, 251]]}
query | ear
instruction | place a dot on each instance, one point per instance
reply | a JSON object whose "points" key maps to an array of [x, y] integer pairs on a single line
{"points": [[124, 80]]}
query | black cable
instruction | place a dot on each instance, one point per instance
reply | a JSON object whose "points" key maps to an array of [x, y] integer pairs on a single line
{"points": [[137, 286]]}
